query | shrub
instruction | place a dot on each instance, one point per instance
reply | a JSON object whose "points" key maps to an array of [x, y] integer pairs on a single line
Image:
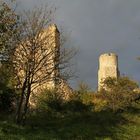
{"points": [[99, 103], [7, 91], [76, 104], [7, 97], [50, 100]]}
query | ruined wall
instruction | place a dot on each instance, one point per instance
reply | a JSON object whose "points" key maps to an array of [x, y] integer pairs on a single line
{"points": [[108, 67], [48, 44], [51, 38], [54, 82], [44, 58]]}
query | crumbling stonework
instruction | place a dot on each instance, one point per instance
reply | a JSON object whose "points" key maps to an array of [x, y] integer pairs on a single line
{"points": [[49, 45], [65, 90], [108, 67], [55, 81], [51, 38]]}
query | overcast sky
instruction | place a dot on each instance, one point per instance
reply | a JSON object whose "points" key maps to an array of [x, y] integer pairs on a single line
{"points": [[99, 26]]}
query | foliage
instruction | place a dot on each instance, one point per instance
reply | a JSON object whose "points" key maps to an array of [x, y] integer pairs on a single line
{"points": [[100, 104], [52, 102], [8, 29], [7, 98], [7, 92], [49, 101], [76, 105], [83, 88], [118, 93], [83, 93], [85, 126], [81, 100]]}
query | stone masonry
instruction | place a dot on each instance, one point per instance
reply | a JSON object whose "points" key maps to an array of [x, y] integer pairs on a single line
{"points": [[50, 46], [108, 67]]}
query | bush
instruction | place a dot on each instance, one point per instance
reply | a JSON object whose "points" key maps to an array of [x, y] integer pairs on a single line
{"points": [[49, 101], [7, 98], [52, 102], [7, 91], [100, 104], [76, 104]]}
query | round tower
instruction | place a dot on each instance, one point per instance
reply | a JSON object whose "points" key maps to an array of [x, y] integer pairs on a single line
{"points": [[108, 67]]}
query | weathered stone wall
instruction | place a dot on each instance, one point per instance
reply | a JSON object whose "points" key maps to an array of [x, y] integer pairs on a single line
{"points": [[51, 38], [49, 47], [108, 67], [52, 44], [65, 90]]}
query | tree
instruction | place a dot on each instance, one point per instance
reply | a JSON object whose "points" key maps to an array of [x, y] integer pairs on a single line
{"points": [[8, 29], [119, 93], [38, 57]]}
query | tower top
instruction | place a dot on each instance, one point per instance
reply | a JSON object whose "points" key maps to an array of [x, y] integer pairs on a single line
{"points": [[108, 54], [53, 27]]}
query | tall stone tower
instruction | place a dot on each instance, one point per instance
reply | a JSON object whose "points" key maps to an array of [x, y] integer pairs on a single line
{"points": [[46, 57], [46, 62], [52, 45], [108, 67]]}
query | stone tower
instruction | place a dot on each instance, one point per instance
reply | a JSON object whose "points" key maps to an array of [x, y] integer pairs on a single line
{"points": [[51, 38], [52, 44], [46, 57], [47, 70], [108, 67]]}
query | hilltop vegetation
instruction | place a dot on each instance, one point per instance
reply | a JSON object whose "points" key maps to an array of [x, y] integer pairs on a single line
{"points": [[75, 125], [86, 116]]}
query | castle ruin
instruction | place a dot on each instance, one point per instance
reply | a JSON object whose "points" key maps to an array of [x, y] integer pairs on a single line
{"points": [[52, 46], [108, 67], [48, 47]]}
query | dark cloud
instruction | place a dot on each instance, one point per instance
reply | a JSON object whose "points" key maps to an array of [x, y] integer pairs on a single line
{"points": [[100, 26]]}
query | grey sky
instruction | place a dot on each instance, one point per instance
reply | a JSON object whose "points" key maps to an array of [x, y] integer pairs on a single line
{"points": [[100, 26]]}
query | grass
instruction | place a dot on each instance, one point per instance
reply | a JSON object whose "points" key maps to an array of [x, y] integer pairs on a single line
{"points": [[76, 126]]}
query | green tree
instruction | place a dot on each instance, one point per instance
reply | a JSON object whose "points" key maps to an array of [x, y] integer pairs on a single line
{"points": [[119, 93], [9, 22], [9, 28]]}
